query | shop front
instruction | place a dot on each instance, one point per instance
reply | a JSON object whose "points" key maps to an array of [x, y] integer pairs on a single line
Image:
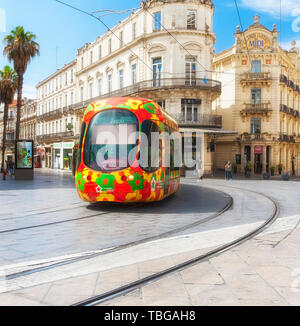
{"points": [[62, 155]]}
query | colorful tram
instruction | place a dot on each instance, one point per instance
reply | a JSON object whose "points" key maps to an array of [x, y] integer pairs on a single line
{"points": [[103, 178]]}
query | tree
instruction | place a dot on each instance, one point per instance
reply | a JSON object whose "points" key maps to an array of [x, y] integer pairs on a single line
{"points": [[8, 86], [20, 47]]}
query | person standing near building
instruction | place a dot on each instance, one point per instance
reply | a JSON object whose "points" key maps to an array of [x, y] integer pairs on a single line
{"points": [[228, 169]]}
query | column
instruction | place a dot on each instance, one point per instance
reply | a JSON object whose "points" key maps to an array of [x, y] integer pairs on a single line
{"points": [[264, 167], [252, 158], [242, 158]]}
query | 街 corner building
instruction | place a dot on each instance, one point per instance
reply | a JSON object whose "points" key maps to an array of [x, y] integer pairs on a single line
{"points": [[260, 100], [168, 58]]}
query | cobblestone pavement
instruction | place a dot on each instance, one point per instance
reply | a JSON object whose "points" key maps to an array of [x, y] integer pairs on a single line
{"points": [[262, 271]]}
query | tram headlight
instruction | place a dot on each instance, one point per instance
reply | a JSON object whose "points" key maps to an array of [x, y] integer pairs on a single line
{"points": [[131, 177]]}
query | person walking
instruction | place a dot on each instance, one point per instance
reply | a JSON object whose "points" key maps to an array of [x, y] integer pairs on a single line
{"points": [[11, 167], [199, 168], [226, 171]]}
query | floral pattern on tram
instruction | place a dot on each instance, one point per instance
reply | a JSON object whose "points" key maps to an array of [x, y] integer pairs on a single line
{"points": [[131, 184]]}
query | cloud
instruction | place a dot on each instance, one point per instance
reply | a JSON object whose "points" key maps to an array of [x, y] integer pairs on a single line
{"points": [[272, 7]]}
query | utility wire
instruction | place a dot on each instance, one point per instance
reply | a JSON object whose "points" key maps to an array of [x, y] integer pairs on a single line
{"points": [[145, 7], [100, 20]]}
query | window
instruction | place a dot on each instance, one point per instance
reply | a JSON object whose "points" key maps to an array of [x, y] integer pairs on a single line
{"points": [[109, 143], [109, 82], [91, 90], [82, 62], [121, 39], [191, 19], [121, 76], [99, 86], [157, 21], [66, 78], [256, 66], [190, 110], [255, 95], [72, 76], [91, 57], [156, 67], [100, 52], [72, 98], [66, 100], [109, 46], [152, 161], [255, 126], [190, 71], [134, 31], [133, 71], [81, 93]]}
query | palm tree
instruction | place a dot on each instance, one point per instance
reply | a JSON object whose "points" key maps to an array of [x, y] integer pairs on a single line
{"points": [[20, 48], [8, 86]]}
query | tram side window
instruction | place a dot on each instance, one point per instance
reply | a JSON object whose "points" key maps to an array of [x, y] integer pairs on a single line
{"points": [[78, 157], [149, 127]]}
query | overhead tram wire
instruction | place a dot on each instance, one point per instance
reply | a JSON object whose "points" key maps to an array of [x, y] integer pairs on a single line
{"points": [[102, 22]]}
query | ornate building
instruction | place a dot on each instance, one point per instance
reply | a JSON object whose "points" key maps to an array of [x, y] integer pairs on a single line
{"points": [[260, 100], [28, 120], [168, 58]]}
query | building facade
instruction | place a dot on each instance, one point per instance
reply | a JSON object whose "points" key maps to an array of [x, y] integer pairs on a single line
{"points": [[10, 131], [28, 120], [260, 101], [163, 51]]}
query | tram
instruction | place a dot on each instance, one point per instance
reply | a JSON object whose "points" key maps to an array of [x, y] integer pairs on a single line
{"points": [[120, 125]]}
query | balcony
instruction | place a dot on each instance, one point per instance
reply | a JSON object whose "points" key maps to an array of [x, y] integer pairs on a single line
{"points": [[199, 120], [286, 138], [256, 79], [59, 135], [143, 88], [261, 109]]}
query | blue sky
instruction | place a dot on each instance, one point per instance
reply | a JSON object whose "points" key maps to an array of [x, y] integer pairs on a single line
{"points": [[61, 31]]}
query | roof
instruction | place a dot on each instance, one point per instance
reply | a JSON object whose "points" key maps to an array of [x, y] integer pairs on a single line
{"points": [[14, 103]]}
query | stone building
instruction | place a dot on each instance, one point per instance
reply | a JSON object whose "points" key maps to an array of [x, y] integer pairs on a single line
{"points": [[28, 120], [138, 57], [10, 131], [260, 101]]}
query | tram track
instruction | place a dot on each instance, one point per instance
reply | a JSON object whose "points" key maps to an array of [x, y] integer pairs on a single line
{"points": [[34, 270], [117, 292]]}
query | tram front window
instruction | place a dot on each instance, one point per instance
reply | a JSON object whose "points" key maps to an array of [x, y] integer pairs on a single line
{"points": [[111, 141]]}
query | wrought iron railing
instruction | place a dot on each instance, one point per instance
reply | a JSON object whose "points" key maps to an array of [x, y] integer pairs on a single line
{"points": [[198, 119]]}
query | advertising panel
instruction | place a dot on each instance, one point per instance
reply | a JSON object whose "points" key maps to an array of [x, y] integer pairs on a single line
{"points": [[24, 154]]}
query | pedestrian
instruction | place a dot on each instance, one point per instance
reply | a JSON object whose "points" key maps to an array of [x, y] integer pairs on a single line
{"points": [[229, 170], [226, 171], [11, 166], [199, 168]]}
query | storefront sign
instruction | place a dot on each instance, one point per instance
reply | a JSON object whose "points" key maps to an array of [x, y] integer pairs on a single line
{"points": [[57, 145], [258, 149], [68, 145]]}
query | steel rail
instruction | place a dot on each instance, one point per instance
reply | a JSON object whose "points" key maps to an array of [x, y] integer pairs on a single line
{"points": [[124, 246], [154, 277]]}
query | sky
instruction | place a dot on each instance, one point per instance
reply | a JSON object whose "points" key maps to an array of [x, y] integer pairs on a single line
{"points": [[61, 31]]}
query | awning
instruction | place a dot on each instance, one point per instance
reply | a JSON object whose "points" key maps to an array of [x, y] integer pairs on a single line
{"points": [[209, 131]]}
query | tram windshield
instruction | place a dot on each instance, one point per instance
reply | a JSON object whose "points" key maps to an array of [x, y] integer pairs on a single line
{"points": [[111, 141]]}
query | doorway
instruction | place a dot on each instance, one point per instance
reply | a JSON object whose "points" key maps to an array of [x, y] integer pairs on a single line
{"points": [[257, 163]]}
